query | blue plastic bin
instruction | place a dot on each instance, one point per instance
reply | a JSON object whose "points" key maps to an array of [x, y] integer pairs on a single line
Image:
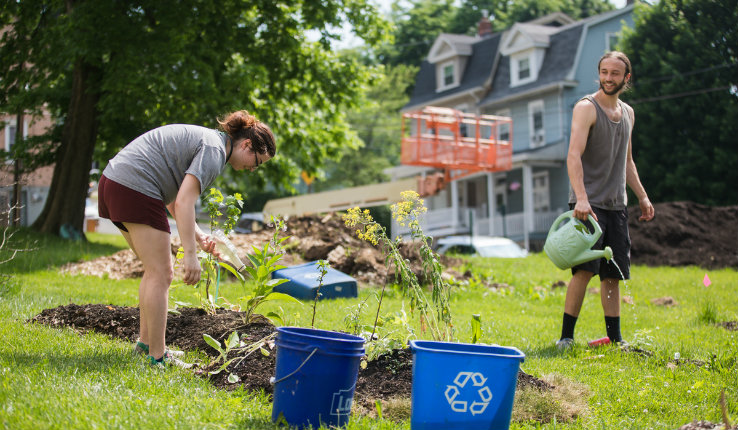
{"points": [[463, 386], [304, 283], [315, 376]]}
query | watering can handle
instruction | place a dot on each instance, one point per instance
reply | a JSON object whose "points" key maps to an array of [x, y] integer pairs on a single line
{"points": [[275, 381], [570, 214]]}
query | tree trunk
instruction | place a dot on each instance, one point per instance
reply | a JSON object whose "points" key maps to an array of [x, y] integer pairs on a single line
{"points": [[65, 204]]}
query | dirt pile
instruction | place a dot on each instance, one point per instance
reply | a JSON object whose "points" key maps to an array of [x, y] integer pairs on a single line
{"points": [[686, 233], [310, 238], [683, 233]]}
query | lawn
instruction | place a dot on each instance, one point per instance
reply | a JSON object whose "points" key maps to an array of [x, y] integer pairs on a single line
{"points": [[51, 378]]}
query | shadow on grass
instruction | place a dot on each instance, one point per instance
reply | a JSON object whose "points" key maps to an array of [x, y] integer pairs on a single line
{"points": [[69, 363], [29, 251]]}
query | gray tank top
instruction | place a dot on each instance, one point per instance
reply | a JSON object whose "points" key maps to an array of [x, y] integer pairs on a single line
{"points": [[604, 158]]}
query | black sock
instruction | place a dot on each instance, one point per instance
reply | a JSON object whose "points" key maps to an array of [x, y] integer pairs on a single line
{"points": [[612, 324], [567, 328]]}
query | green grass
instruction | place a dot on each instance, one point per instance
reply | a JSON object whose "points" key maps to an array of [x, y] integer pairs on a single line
{"points": [[51, 378]]}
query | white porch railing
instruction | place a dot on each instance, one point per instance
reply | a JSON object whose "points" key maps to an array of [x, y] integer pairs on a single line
{"points": [[440, 222]]}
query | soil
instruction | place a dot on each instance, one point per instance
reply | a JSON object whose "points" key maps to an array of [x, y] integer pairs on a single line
{"points": [[387, 377], [685, 233], [701, 425]]}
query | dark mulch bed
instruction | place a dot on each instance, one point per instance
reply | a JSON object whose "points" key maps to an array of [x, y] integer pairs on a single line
{"points": [[387, 377]]}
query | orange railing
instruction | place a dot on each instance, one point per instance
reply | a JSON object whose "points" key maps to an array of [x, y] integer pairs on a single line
{"points": [[453, 140]]}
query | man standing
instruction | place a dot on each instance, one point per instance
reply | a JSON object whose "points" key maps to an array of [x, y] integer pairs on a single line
{"points": [[600, 164]]}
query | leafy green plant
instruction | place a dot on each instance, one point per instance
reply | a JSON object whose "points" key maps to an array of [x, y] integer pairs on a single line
{"points": [[352, 320], [264, 261], [223, 350], [235, 346], [323, 266], [407, 212]]}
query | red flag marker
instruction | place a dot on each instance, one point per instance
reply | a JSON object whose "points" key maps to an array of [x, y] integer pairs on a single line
{"points": [[706, 281]]}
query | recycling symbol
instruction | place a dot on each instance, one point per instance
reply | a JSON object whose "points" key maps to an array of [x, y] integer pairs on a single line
{"points": [[483, 392]]}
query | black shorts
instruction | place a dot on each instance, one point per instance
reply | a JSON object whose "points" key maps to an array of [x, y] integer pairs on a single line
{"points": [[615, 234]]}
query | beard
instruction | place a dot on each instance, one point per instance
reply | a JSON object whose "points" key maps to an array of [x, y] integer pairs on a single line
{"points": [[615, 90]]}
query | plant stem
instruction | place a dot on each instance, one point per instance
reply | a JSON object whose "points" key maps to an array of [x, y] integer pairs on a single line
{"points": [[379, 306]]}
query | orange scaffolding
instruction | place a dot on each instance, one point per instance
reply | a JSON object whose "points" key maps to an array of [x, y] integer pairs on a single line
{"points": [[458, 142]]}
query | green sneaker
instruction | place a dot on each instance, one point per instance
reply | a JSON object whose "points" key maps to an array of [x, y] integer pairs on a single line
{"points": [[143, 349], [167, 360], [140, 348]]}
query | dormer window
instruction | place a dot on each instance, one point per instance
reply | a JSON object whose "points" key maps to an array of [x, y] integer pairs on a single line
{"points": [[448, 74], [523, 69], [449, 55]]}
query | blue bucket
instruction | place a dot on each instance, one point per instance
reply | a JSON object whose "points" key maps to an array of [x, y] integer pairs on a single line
{"points": [[463, 386], [315, 376]]}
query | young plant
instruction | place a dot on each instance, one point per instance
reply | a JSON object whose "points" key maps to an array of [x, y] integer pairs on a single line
{"points": [[235, 346], [264, 262], [210, 265], [223, 350], [407, 212], [323, 266]]}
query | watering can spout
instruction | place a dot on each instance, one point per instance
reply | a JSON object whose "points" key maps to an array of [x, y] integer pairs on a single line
{"points": [[594, 255]]}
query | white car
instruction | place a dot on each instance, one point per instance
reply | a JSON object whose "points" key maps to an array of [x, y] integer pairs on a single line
{"points": [[485, 246]]}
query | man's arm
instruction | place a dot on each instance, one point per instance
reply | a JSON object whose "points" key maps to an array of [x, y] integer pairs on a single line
{"points": [[583, 117], [632, 179]]}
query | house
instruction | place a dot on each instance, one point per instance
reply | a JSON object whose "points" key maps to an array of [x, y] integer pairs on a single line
{"points": [[34, 185], [534, 72]]}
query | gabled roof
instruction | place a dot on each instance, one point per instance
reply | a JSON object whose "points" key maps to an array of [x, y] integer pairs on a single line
{"points": [[449, 45], [488, 67], [556, 65], [476, 72], [524, 36]]}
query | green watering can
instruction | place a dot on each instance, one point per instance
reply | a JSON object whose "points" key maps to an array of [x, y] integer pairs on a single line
{"points": [[570, 244]]}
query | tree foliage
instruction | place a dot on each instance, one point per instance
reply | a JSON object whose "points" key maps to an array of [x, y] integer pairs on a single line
{"points": [[377, 123], [685, 63], [505, 13], [110, 70], [419, 22]]}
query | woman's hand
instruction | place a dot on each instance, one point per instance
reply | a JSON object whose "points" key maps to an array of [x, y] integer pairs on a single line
{"points": [[191, 268], [207, 243]]}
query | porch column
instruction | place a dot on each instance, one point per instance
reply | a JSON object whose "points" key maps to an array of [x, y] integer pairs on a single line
{"points": [[527, 202], [454, 205], [491, 203]]}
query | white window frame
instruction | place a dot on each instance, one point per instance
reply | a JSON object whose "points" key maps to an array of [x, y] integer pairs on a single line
{"points": [[515, 60], [503, 112], [441, 81], [541, 193], [608, 38], [537, 137], [7, 124]]}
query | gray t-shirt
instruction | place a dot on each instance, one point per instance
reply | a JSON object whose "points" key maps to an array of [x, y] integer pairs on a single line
{"points": [[156, 162]]}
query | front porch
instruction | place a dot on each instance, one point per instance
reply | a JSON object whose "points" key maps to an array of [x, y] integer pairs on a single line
{"points": [[450, 221]]}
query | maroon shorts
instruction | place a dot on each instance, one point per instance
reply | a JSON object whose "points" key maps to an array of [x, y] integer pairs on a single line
{"points": [[121, 204]]}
